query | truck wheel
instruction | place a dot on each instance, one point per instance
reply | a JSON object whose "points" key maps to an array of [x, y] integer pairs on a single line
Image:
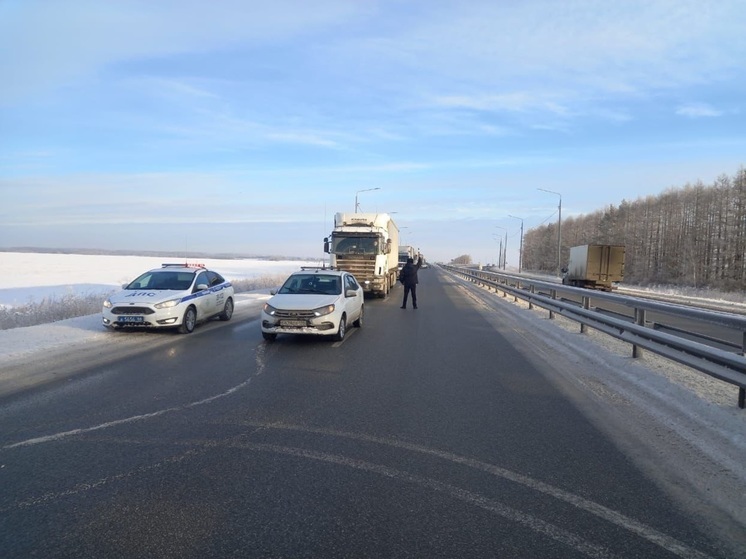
{"points": [[340, 335], [188, 322]]}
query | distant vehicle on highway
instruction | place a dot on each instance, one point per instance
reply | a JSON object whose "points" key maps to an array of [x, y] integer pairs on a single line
{"points": [[595, 266], [406, 252], [320, 302], [172, 296]]}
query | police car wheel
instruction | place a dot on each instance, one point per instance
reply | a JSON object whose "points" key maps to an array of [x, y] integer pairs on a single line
{"points": [[227, 310], [189, 321]]}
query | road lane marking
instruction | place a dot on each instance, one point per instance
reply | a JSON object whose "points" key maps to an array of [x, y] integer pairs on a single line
{"points": [[658, 538], [559, 534]]}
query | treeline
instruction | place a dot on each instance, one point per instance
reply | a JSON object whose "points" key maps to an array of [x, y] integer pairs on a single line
{"points": [[693, 236]]}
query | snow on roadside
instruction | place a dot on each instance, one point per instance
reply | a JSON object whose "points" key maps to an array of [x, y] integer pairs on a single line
{"points": [[20, 343]]}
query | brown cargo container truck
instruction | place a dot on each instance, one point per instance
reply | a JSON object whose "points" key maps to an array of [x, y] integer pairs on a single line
{"points": [[595, 266]]}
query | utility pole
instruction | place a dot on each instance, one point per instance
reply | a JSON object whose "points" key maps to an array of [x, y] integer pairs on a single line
{"points": [[504, 248], [520, 250], [357, 206], [559, 231]]}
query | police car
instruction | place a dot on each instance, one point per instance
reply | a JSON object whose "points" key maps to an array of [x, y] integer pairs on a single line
{"points": [[320, 302], [172, 296]]}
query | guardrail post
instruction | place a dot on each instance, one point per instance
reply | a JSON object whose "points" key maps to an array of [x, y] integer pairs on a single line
{"points": [[640, 321], [517, 286], [742, 390], [586, 306], [531, 301], [553, 295]]}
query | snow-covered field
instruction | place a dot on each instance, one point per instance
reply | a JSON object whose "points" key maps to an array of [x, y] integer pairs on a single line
{"points": [[31, 277]]}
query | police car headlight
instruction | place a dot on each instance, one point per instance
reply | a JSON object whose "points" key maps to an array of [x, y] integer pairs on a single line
{"points": [[269, 309], [168, 304], [107, 304], [321, 311]]}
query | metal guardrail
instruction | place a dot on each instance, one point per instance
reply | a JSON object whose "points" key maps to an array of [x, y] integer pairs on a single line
{"points": [[726, 366]]}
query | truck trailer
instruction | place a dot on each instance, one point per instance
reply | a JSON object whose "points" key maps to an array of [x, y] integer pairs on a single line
{"points": [[366, 245], [595, 266]]}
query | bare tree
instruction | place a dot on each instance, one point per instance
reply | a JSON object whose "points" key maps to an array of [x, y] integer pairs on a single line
{"points": [[690, 236], [463, 260]]}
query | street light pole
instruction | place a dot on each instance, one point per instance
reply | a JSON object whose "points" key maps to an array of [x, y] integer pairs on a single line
{"points": [[504, 251], [364, 190], [500, 253], [520, 250], [559, 231]]}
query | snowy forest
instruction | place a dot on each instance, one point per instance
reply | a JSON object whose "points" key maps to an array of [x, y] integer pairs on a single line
{"points": [[693, 236]]}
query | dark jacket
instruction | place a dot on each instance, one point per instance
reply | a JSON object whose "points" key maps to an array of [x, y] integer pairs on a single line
{"points": [[408, 274]]}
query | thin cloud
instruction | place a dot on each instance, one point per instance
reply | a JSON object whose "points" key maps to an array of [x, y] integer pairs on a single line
{"points": [[310, 139], [698, 110]]}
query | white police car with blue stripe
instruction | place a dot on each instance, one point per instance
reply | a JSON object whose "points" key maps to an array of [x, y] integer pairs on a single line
{"points": [[172, 296]]}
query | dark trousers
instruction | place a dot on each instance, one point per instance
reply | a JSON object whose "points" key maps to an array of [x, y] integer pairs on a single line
{"points": [[407, 289]]}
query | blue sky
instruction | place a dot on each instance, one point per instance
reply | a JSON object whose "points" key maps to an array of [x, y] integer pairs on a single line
{"points": [[242, 126]]}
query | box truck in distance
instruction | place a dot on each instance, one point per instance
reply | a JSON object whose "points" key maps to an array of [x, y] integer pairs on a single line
{"points": [[365, 244], [595, 266]]}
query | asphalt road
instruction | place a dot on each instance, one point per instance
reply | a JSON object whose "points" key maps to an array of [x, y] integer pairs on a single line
{"points": [[427, 433]]}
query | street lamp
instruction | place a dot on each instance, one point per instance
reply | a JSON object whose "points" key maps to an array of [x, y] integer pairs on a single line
{"points": [[520, 250], [559, 230], [364, 190], [504, 248], [500, 253], [405, 234]]}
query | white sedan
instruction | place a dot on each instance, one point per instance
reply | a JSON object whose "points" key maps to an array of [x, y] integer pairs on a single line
{"points": [[319, 302], [173, 296]]}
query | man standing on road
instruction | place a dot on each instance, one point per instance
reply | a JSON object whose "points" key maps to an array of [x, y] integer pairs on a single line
{"points": [[408, 276]]}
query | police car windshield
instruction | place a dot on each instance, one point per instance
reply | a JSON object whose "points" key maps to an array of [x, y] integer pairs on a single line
{"points": [[320, 284], [170, 281]]}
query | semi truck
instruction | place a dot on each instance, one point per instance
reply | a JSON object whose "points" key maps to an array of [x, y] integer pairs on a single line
{"points": [[595, 266], [365, 244], [405, 252]]}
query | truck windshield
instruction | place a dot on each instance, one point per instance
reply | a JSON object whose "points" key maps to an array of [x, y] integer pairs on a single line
{"points": [[355, 245]]}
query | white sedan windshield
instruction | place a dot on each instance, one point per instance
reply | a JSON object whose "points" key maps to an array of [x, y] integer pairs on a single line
{"points": [[312, 283]]}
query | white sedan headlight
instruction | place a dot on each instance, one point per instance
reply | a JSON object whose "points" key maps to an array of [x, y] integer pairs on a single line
{"points": [[168, 304], [107, 304], [321, 311], [269, 309]]}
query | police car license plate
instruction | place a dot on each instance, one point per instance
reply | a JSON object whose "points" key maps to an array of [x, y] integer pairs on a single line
{"points": [[293, 323], [131, 319]]}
